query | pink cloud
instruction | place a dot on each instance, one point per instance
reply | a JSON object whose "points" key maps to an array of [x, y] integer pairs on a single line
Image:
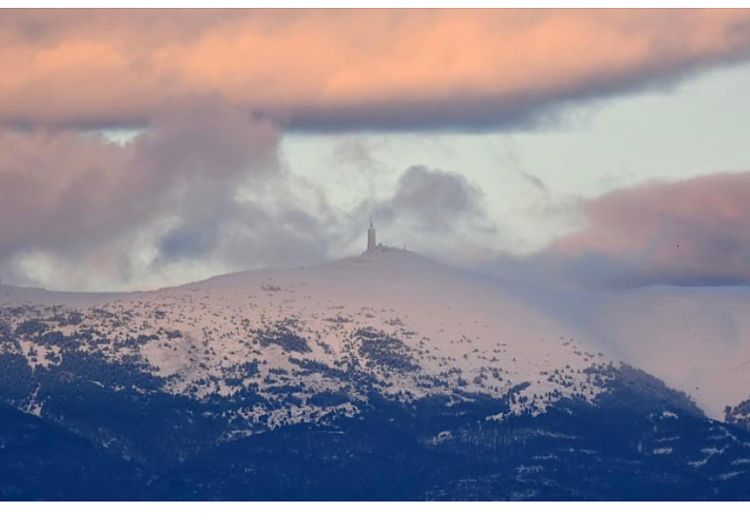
{"points": [[691, 231], [347, 69]]}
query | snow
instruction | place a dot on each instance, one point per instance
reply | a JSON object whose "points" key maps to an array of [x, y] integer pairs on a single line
{"points": [[709, 453], [731, 474], [497, 333], [695, 339]]}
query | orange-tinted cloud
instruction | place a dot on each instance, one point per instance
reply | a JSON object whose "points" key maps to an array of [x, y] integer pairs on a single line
{"points": [[330, 69]]}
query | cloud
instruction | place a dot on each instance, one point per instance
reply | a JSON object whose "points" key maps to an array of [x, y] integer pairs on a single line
{"points": [[688, 232], [60, 188], [203, 186], [202, 190], [358, 153], [434, 200], [348, 69], [534, 181], [435, 212]]}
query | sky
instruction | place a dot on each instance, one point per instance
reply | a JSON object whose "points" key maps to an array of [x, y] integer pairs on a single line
{"points": [[588, 148]]}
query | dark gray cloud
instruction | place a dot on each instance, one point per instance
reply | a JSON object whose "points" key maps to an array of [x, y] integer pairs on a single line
{"points": [[433, 201], [431, 211]]}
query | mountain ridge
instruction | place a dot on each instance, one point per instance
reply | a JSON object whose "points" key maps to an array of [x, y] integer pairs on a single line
{"points": [[639, 326], [414, 363]]}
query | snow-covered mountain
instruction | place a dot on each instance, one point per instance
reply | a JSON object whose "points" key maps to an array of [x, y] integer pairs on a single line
{"points": [[472, 331], [413, 326], [217, 362]]}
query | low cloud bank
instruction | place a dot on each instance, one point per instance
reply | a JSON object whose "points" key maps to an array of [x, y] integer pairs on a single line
{"points": [[687, 232]]}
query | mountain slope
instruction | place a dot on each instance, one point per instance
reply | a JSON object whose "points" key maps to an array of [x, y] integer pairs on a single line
{"points": [[412, 327], [42, 460], [697, 339], [387, 361]]}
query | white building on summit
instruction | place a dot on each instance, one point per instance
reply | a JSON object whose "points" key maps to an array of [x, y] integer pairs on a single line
{"points": [[371, 243]]}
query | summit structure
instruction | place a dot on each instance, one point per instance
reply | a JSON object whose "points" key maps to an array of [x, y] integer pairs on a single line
{"points": [[371, 242]]}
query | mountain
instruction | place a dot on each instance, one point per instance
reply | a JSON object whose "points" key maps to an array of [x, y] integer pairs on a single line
{"points": [[697, 339], [380, 376]]}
